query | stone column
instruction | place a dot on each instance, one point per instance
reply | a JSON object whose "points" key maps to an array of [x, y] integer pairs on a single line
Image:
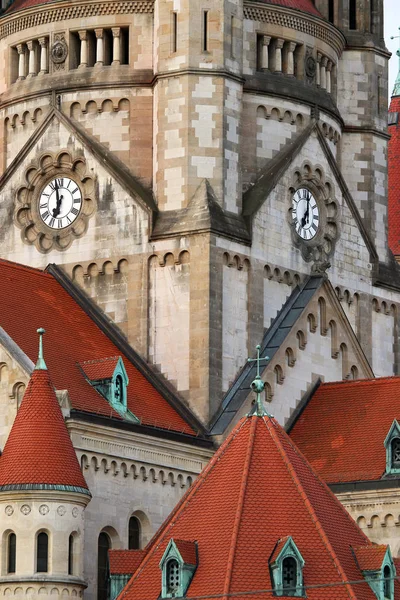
{"points": [[99, 47], [84, 48], [329, 76], [31, 65], [21, 61], [116, 33], [264, 62], [318, 75], [324, 62], [290, 58], [43, 56], [278, 55]]}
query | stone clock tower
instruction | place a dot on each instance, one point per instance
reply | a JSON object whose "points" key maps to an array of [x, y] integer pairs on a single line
{"points": [[188, 164]]}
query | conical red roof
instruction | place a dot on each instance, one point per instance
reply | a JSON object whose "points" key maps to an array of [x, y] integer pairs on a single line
{"points": [[303, 5], [257, 490], [39, 451]]}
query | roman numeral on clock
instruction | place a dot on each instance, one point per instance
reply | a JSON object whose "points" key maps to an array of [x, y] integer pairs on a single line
{"points": [[74, 210]]}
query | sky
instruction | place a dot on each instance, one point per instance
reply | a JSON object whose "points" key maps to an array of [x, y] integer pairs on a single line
{"points": [[392, 24]]}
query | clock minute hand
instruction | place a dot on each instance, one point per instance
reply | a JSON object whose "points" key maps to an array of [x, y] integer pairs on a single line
{"points": [[56, 210]]}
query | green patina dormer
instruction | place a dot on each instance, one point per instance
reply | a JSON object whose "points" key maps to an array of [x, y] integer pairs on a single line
{"points": [[109, 377], [286, 566], [392, 445], [376, 564], [178, 565]]}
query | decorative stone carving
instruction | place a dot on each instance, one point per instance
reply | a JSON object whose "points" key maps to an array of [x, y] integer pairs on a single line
{"points": [[9, 510], [75, 512], [43, 509], [26, 210], [310, 65], [61, 510], [59, 51], [25, 509]]}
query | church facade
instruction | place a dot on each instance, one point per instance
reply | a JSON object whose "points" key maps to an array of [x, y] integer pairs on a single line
{"points": [[201, 178]]}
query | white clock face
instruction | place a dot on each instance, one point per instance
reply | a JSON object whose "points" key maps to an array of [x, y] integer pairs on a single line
{"points": [[60, 202], [305, 214]]}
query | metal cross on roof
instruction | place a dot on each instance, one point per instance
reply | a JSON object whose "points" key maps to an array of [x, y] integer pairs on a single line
{"points": [[396, 90], [258, 385], [41, 365]]}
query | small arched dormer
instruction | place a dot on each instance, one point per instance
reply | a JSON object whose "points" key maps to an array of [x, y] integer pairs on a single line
{"points": [[286, 566], [178, 565], [392, 445]]}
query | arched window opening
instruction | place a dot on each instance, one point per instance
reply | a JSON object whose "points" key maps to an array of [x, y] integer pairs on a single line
{"points": [[331, 11], [353, 14], [173, 576], [396, 453], [42, 553], [11, 553], [289, 576], [71, 542], [134, 534], [104, 544], [119, 389], [387, 583]]}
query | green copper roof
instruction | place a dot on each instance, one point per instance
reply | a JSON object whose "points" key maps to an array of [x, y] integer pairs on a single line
{"points": [[396, 89], [41, 365], [258, 386], [11, 487]]}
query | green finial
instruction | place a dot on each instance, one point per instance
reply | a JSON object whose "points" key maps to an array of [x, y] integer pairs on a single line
{"points": [[258, 385], [41, 365], [396, 89]]}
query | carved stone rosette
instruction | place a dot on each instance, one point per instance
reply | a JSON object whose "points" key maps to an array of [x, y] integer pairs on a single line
{"points": [[26, 210]]}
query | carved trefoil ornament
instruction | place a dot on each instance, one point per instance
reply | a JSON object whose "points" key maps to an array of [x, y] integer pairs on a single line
{"points": [[59, 52]]}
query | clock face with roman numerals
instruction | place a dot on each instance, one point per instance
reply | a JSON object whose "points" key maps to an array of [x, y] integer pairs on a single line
{"points": [[60, 203], [305, 214]]}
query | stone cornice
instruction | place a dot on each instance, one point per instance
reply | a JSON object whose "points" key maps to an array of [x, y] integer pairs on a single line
{"points": [[62, 11], [45, 496], [293, 19], [362, 129]]}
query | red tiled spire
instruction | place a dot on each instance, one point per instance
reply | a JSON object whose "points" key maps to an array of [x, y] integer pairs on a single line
{"points": [[39, 451], [257, 489]]}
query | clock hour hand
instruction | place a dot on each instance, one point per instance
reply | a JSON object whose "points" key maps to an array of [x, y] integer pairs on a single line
{"points": [[306, 212], [56, 210]]}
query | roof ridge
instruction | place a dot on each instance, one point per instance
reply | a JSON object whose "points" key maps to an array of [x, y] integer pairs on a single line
{"points": [[359, 382], [308, 505], [177, 511], [239, 510]]}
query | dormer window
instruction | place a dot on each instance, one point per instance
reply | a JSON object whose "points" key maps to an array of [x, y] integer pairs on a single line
{"points": [[119, 389], [286, 565], [178, 565], [377, 567], [387, 583], [392, 445]]}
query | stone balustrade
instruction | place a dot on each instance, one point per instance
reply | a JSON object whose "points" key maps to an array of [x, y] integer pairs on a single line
{"points": [[31, 58]]}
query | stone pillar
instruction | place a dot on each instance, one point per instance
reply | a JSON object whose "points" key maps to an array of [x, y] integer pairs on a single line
{"points": [[84, 48], [329, 76], [43, 56], [324, 62], [116, 33], [21, 61], [290, 58], [31, 65], [278, 55], [318, 75], [264, 63], [99, 47]]}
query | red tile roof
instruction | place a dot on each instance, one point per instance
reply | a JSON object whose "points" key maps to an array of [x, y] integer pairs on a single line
{"points": [[72, 337], [187, 550], [394, 181], [343, 427], [39, 449], [303, 5], [370, 558], [257, 489], [102, 368], [124, 562]]}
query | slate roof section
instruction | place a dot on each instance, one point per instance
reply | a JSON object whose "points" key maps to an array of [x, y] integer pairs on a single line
{"points": [[342, 429], [124, 562], [271, 342], [74, 335], [39, 450], [257, 489]]}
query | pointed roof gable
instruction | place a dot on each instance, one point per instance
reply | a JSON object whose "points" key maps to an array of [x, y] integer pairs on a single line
{"points": [[39, 453], [257, 489]]}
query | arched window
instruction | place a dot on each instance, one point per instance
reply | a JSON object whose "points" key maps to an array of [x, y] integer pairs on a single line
{"points": [[173, 576], [11, 552], [71, 542], [387, 583], [134, 534], [353, 14], [289, 576], [119, 389], [396, 453], [42, 552], [104, 544], [331, 11]]}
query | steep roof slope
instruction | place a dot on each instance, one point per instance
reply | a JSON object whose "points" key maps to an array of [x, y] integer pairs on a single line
{"points": [[257, 489], [39, 450], [342, 429], [30, 298]]}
